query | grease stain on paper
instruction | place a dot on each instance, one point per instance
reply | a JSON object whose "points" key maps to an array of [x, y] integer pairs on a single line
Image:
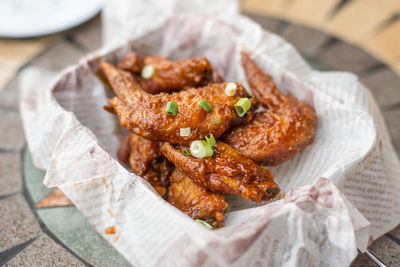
{"points": [[105, 183], [110, 230], [110, 213]]}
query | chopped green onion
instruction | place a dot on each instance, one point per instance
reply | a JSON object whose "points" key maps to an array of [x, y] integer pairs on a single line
{"points": [[216, 122], [148, 71], [210, 139], [185, 152], [171, 108], [227, 208], [205, 105], [230, 89], [214, 149], [201, 149], [204, 223], [242, 106], [184, 131]]}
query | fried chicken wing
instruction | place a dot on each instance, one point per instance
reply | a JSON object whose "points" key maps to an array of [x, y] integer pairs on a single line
{"points": [[144, 114], [196, 201], [146, 160], [279, 132], [226, 172], [169, 75], [174, 76]]}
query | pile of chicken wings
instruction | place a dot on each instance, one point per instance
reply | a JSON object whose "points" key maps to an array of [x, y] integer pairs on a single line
{"points": [[195, 137]]}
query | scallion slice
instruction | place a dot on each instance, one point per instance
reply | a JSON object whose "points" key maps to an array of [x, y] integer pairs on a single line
{"points": [[201, 149], [242, 106], [230, 89], [185, 152], [205, 105], [216, 122], [148, 71], [227, 208], [204, 223], [184, 131], [171, 108], [210, 139]]}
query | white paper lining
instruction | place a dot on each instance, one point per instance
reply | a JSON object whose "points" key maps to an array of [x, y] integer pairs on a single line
{"points": [[341, 190]]}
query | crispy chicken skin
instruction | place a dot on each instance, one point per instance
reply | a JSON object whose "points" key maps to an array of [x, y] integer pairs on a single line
{"points": [[144, 114], [169, 75], [146, 160], [282, 130], [196, 201], [226, 172], [130, 62]]}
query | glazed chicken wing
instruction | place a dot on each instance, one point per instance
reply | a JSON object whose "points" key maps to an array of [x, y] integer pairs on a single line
{"points": [[144, 114], [145, 159], [196, 201], [226, 172], [279, 132], [169, 75]]}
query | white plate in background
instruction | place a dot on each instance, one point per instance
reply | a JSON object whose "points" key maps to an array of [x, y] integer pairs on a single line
{"points": [[30, 18]]}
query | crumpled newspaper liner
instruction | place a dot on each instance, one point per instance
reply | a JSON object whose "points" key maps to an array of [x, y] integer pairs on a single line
{"points": [[340, 192]]}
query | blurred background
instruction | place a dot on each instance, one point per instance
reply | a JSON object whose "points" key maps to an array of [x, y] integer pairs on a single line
{"points": [[361, 36], [372, 25]]}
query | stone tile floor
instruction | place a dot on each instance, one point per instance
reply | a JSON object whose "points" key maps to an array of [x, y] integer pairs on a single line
{"points": [[31, 237]]}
